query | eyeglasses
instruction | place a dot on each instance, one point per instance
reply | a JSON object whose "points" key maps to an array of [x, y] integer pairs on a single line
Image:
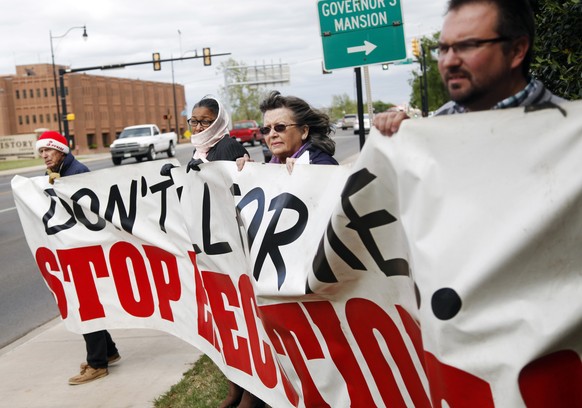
{"points": [[466, 47], [279, 127], [204, 123]]}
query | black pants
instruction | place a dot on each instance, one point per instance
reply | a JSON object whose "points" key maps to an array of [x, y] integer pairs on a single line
{"points": [[100, 346]]}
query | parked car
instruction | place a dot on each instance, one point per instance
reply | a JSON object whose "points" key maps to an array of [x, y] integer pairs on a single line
{"points": [[142, 141], [348, 121], [246, 131], [366, 124]]}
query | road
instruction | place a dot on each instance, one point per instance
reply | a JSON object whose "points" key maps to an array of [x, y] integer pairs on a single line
{"points": [[25, 301]]}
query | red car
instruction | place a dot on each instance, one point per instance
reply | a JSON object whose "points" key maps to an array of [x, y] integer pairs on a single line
{"points": [[246, 131]]}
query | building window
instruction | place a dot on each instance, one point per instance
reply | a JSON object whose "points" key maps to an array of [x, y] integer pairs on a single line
{"points": [[17, 94], [45, 93], [38, 92], [27, 120], [24, 94], [31, 93], [91, 143], [54, 117], [41, 118], [34, 119], [48, 118], [20, 120], [52, 91]]}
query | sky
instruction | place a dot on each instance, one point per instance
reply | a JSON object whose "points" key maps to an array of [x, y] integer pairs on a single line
{"points": [[252, 31]]}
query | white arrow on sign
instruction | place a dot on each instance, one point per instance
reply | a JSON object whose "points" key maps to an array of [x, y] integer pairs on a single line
{"points": [[368, 47]]}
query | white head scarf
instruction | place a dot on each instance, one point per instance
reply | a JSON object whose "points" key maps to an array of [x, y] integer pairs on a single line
{"points": [[206, 139]]}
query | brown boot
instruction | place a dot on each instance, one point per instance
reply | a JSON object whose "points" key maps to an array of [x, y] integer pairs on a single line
{"points": [[88, 374]]}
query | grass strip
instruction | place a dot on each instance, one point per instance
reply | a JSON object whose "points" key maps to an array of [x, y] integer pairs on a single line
{"points": [[202, 386]]}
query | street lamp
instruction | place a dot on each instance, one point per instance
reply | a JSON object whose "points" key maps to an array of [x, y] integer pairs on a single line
{"points": [[174, 82], [85, 36], [182, 56]]}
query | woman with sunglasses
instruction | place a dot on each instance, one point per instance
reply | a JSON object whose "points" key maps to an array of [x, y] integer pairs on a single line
{"points": [[295, 132], [210, 136]]}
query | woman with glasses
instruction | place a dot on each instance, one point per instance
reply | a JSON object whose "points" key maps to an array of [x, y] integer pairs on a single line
{"points": [[295, 132], [210, 136], [212, 141]]}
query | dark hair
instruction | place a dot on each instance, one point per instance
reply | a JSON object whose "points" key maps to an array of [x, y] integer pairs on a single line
{"points": [[317, 121], [208, 103], [516, 19]]}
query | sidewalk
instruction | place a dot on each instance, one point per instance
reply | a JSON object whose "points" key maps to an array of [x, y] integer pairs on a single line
{"points": [[35, 369]]}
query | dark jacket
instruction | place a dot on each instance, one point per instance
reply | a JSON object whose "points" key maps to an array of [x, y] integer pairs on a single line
{"points": [[318, 156], [226, 149], [71, 166]]}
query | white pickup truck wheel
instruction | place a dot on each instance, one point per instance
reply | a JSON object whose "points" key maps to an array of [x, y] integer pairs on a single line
{"points": [[171, 150], [151, 155]]}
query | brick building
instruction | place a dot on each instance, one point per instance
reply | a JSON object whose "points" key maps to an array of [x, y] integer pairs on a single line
{"points": [[102, 105]]}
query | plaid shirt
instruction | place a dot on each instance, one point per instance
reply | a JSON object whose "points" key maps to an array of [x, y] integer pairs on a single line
{"points": [[532, 88], [519, 97]]}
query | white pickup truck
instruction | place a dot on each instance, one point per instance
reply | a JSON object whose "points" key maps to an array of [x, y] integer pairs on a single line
{"points": [[142, 141]]}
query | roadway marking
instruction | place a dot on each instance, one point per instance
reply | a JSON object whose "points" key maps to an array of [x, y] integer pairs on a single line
{"points": [[7, 209]]}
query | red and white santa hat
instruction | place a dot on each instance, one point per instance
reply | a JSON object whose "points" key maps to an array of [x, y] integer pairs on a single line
{"points": [[53, 140]]}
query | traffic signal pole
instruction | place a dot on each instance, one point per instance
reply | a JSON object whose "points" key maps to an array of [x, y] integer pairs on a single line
{"points": [[63, 72], [64, 106], [360, 104], [425, 87]]}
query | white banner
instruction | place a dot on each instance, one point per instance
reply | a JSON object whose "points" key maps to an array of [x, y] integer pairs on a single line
{"points": [[442, 269]]}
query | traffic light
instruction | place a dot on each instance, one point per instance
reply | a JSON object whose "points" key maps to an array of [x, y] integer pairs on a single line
{"points": [[385, 66], [157, 63], [415, 47], [207, 56]]}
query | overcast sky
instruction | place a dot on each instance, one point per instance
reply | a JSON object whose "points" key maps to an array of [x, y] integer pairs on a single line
{"points": [[253, 31]]}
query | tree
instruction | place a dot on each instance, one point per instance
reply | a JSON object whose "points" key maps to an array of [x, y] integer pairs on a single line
{"points": [[242, 99], [437, 93], [380, 106], [558, 47], [340, 105]]}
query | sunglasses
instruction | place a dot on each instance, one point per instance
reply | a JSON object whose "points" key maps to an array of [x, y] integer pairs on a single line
{"points": [[265, 130]]}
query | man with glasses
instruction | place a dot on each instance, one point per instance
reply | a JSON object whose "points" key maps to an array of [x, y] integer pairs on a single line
{"points": [[484, 54]]}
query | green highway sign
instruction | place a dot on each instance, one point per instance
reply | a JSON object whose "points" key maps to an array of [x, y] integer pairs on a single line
{"points": [[361, 32]]}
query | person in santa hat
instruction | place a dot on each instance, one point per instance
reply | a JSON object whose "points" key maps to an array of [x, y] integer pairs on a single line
{"points": [[59, 161], [101, 350]]}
